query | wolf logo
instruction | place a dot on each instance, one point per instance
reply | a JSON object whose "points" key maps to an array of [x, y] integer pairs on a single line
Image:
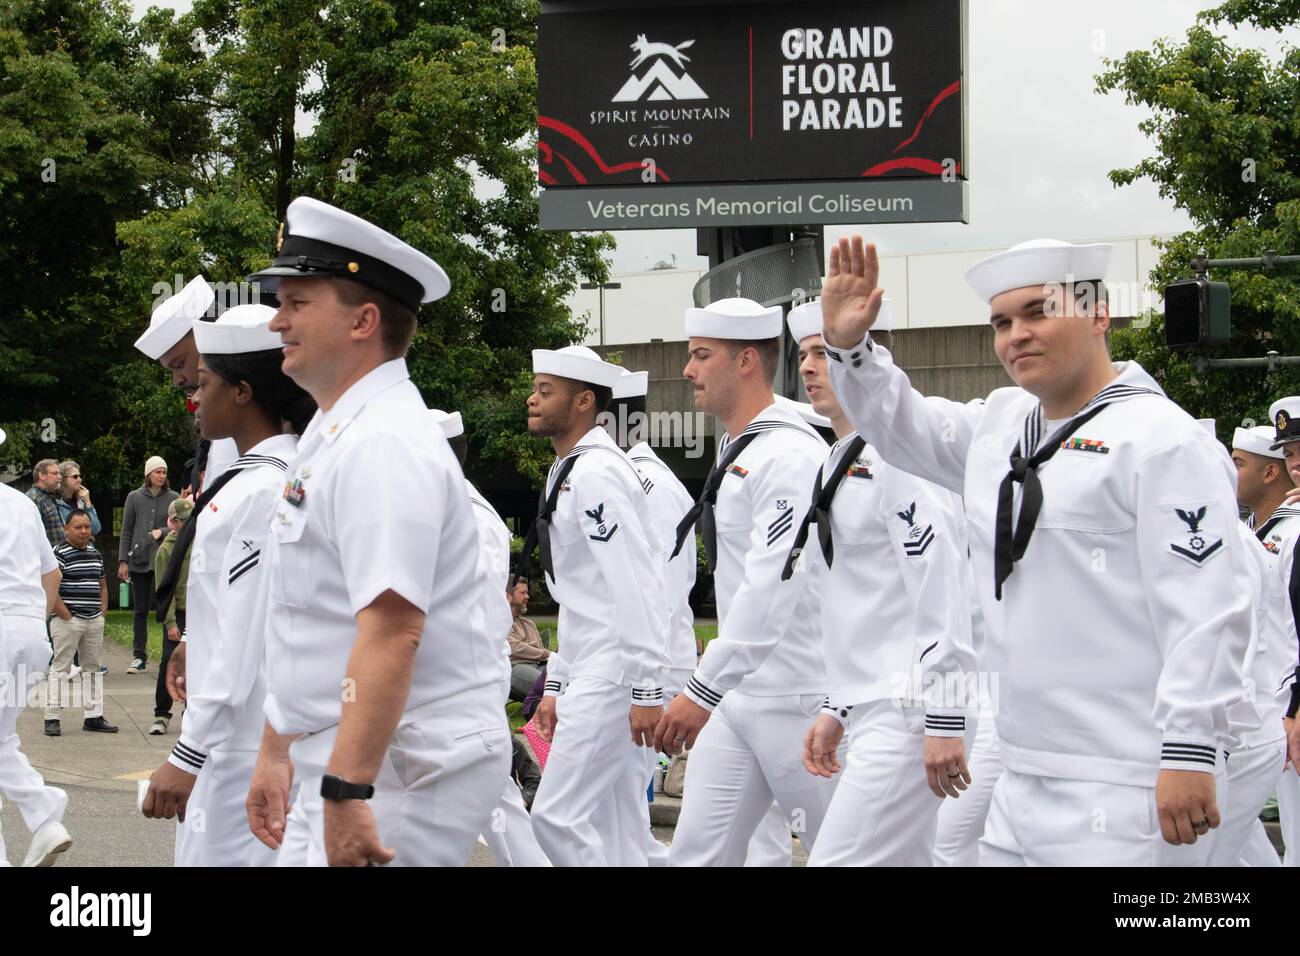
{"points": [[645, 49]]}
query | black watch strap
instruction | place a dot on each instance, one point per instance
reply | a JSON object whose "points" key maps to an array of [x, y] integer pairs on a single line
{"points": [[336, 788]]}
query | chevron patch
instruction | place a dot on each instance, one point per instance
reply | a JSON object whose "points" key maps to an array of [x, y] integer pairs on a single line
{"points": [[780, 526], [918, 541], [1194, 534]]}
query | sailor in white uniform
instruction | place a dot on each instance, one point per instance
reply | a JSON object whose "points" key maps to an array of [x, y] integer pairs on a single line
{"points": [[604, 686], [896, 628], [245, 397], [510, 833], [1119, 638], [29, 578], [762, 679], [383, 684]]}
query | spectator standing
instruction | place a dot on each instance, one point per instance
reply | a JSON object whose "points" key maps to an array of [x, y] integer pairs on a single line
{"points": [[178, 512], [45, 492], [528, 655], [144, 525], [74, 496], [78, 627]]}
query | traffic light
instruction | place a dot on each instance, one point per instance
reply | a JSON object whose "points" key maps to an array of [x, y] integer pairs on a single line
{"points": [[1197, 314]]}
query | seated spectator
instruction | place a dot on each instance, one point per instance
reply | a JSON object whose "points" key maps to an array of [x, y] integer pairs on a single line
{"points": [[528, 655], [78, 627], [178, 512], [74, 496]]}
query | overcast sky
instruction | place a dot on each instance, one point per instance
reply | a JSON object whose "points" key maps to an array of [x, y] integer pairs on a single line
{"points": [[1041, 140]]}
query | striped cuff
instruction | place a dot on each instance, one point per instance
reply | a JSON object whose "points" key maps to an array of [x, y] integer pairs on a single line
{"points": [[1185, 755], [187, 758], [945, 725], [853, 356], [553, 688], [648, 696], [701, 693], [840, 713]]}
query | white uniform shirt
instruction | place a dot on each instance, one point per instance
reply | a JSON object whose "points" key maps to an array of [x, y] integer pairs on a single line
{"points": [[225, 609], [494, 571], [1120, 635], [609, 575], [25, 554], [894, 606], [221, 455], [1272, 668], [669, 500], [769, 639], [374, 502]]}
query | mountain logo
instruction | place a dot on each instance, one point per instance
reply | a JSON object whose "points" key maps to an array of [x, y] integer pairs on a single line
{"points": [[660, 82]]}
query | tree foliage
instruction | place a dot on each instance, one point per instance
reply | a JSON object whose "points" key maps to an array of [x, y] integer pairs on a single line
{"points": [[1226, 126], [180, 139]]}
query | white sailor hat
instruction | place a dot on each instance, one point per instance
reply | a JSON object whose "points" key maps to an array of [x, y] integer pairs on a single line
{"points": [[885, 317], [451, 423], [578, 363], [1036, 263], [632, 385], [1285, 416], [803, 410], [174, 319], [243, 328], [805, 320], [319, 240], [740, 319], [1257, 441]]}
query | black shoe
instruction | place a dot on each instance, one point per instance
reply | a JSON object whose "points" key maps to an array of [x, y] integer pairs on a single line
{"points": [[52, 728], [99, 725]]}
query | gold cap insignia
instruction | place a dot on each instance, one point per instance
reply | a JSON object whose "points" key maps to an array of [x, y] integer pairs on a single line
{"points": [[1282, 420], [353, 267]]}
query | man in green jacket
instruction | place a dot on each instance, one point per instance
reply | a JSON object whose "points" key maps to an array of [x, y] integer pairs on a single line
{"points": [[178, 512]]}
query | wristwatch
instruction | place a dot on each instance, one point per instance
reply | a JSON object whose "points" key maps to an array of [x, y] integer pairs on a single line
{"points": [[336, 788]]}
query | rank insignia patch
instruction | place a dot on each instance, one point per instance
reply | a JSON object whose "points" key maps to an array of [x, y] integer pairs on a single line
{"points": [[1085, 444], [918, 539], [603, 532], [1194, 538]]}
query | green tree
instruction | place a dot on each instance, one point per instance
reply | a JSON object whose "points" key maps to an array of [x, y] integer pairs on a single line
{"points": [[1225, 124]]}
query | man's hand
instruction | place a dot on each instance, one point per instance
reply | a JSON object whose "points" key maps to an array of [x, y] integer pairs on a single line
{"points": [[351, 835], [544, 718], [820, 744], [1292, 744], [268, 799], [169, 792], [850, 300], [176, 672], [644, 720], [62, 612], [123, 574], [174, 634], [156, 533], [1292, 497], [945, 766], [680, 726], [1186, 804]]}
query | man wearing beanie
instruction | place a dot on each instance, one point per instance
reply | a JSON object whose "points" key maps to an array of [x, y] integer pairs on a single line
{"points": [[144, 525], [1119, 638]]}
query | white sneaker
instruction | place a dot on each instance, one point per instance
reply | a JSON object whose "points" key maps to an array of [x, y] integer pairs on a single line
{"points": [[47, 843], [137, 667], [76, 669]]}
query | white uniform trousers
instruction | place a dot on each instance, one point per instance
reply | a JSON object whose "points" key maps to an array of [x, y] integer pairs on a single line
{"points": [[509, 834], [591, 808], [749, 753], [24, 652], [215, 831], [1288, 810], [883, 812], [1253, 772], [436, 789], [1050, 821], [961, 821]]}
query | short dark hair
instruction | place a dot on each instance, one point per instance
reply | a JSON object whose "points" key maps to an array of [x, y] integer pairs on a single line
{"points": [[603, 393], [769, 352], [460, 446], [74, 514], [279, 396], [632, 405], [396, 321]]}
